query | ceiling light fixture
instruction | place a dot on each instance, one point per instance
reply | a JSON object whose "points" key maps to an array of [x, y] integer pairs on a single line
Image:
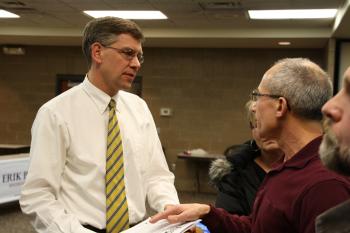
{"points": [[7, 14], [293, 14], [128, 14], [284, 43]]}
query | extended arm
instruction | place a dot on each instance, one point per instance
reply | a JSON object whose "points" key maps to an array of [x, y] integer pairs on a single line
{"points": [[159, 181], [217, 220]]}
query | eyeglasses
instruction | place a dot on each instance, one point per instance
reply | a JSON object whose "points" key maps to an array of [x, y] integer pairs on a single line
{"points": [[255, 94], [128, 53]]}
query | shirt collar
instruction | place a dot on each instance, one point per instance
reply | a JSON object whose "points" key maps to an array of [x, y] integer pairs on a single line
{"points": [[100, 98], [302, 158]]}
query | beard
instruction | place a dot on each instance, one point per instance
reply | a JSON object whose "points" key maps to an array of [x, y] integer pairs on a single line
{"points": [[332, 155]]}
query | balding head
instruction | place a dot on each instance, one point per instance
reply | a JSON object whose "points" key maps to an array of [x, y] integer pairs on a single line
{"points": [[303, 83]]}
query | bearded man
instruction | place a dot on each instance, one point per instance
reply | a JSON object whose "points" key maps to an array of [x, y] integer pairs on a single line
{"points": [[335, 154]]}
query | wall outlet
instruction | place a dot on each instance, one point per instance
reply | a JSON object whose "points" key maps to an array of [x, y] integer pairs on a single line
{"points": [[166, 112]]}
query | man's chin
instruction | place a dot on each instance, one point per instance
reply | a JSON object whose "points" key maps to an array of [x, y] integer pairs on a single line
{"points": [[333, 157], [127, 87]]}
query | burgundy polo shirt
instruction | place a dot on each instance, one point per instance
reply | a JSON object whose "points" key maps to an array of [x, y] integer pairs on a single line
{"points": [[292, 195]]}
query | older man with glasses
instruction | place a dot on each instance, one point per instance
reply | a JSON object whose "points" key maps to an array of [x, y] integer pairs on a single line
{"points": [[287, 107]]}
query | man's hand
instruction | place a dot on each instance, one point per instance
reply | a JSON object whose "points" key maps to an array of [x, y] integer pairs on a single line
{"points": [[168, 206], [182, 213]]}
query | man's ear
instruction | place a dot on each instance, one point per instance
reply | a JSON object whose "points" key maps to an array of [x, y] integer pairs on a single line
{"points": [[282, 106], [96, 52]]}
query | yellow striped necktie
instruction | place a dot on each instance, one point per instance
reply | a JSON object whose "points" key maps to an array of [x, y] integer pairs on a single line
{"points": [[117, 216]]}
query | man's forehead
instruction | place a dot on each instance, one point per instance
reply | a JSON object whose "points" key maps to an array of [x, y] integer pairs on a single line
{"points": [[347, 77], [346, 80], [266, 78]]}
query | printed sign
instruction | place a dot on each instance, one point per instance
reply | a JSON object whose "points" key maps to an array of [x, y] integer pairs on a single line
{"points": [[12, 175]]}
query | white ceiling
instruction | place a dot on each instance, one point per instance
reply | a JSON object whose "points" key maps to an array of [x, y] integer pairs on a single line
{"points": [[191, 23]]}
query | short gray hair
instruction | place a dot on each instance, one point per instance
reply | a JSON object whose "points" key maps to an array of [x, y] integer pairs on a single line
{"points": [[105, 31], [303, 83]]}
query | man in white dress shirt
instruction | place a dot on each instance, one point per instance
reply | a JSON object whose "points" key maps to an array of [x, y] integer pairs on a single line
{"points": [[65, 187]]}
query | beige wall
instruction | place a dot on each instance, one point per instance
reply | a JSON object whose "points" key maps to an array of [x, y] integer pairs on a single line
{"points": [[205, 88]]}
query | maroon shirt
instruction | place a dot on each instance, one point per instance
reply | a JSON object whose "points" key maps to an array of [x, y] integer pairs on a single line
{"points": [[292, 195]]}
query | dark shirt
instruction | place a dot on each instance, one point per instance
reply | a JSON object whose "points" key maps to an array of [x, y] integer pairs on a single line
{"points": [[292, 195], [237, 189]]}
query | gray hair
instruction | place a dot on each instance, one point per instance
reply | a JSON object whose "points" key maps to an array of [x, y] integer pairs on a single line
{"points": [[105, 31], [250, 114], [303, 83]]}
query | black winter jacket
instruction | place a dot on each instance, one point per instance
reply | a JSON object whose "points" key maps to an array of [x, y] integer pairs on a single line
{"points": [[237, 178]]}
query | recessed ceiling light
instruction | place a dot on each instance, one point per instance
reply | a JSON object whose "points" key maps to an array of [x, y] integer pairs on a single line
{"points": [[128, 14], [7, 14], [284, 43], [293, 14]]}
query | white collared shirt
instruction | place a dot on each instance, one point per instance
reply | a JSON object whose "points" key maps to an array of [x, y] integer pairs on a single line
{"points": [[65, 185]]}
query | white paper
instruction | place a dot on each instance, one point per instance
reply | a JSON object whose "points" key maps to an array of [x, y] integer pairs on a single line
{"points": [[162, 226]]}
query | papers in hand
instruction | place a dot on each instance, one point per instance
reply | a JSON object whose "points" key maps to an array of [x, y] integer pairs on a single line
{"points": [[162, 226]]}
